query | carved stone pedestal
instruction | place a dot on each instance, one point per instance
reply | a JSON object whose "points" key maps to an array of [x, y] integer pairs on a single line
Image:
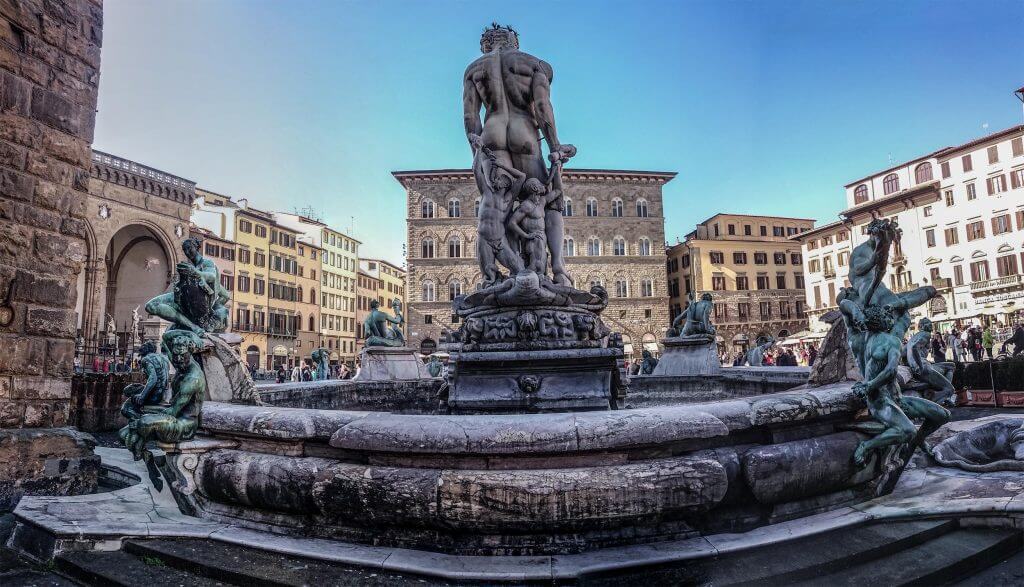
{"points": [[227, 377], [550, 380], [689, 355], [386, 363]]}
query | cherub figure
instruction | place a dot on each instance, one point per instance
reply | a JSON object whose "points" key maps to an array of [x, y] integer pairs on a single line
{"points": [[500, 186], [527, 222], [157, 369]]}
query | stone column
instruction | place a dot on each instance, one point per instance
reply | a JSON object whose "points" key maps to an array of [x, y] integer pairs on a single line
{"points": [[49, 74]]}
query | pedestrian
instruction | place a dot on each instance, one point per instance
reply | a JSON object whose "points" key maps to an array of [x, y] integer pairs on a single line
{"points": [[988, 341], [812, 354], [296, 372], [281, 373], [953, 344]]}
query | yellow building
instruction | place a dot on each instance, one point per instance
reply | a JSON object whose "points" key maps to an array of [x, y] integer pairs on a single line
{"points": [[308, 298], [753, 270], [252, 304]]}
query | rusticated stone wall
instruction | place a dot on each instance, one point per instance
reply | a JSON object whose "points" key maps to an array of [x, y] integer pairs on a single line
{"points": [[49, 74]]}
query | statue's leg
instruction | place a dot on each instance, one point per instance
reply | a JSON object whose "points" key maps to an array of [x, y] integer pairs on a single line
{"points": [[936, 380], [508, 257], [554, 230], [164, 307], [898, 428]]}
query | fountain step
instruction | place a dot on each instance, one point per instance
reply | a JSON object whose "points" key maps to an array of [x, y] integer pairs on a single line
{"points": [[119, 568]]}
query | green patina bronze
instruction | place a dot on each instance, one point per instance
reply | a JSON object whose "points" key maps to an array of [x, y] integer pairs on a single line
{"points": [[434, 366], [196, 302], [322, 359], [180, 420], [157, 369], [378, 333]]}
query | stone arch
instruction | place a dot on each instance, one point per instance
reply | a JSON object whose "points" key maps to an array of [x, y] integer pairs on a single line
{"points": [[133, 256]]}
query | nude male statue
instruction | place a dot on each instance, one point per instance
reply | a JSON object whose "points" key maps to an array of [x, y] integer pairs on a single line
{"points": [[527, 222], [196, 302], [501, 185], [514, 89], [936, 376]]}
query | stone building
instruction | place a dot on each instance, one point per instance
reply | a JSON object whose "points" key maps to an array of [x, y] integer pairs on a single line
{"points": [[49, 74], [614, 236], [961, 211], [136, 219], [378, 280], [752, 269]]}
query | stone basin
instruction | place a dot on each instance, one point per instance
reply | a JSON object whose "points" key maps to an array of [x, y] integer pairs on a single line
{"points": [[524, 484]]}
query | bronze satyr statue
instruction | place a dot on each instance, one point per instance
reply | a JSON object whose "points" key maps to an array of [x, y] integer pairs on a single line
{"points": [[695, 319], [140, 395], [376, 329], [196, 302], [321, 358], [755, 356], [934, 379]]}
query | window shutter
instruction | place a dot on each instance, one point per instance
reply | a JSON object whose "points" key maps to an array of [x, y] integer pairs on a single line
{"points": [[988, 184], [1014, 179], [974, 272], [995, 226]]}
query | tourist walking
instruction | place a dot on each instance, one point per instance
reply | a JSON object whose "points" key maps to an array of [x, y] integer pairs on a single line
{"points": [[281, 374], [296, 372], [954, 346], [988, 341], [812, 354]]}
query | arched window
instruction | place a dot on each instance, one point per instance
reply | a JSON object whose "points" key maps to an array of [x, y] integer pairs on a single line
{"points": [[453, 208], [594, 246], [646, 288], [454, 289], [618, 246], [427, 248], [454, 247], [312, 323], [567, 208], [617, 208], [298, 294], [923, 172], [428, 291], [860, 194], [476, 208], [621, 288], [591, 206], [643, 246], [641, 208], [568, 247], [312, 295], [596, 281], [427, 209], [891, 184]]}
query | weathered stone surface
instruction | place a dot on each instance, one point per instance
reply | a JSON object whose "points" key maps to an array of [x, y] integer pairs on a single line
{"points": [[390, 364], [227, 378], [997, 445], [802, 468], [45, 461], [284, 423], [271, 482], [351, 494], [835, 361], [405, 397], [629, 428], [688, 357]]}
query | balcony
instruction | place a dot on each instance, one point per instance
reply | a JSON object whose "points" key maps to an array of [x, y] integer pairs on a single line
{"points": [[829, 273], [942, 283], [898, 260], [1008, 282], [905, 287]]}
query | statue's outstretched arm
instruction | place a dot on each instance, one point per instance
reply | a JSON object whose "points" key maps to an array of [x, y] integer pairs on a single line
{"points": [[513, 222], [887, 374], [518, 178]]}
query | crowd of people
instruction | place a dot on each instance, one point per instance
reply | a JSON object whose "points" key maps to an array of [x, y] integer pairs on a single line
{"points": [[801, 355], [975, 343], [303, 371]]}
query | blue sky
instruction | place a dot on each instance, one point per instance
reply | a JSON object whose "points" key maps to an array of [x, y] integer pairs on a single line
{"points": [[761, 107]]}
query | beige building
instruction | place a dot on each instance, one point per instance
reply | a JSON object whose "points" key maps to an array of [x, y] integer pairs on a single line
{"points": [[307, 299], [614, 236], [752, 269]]}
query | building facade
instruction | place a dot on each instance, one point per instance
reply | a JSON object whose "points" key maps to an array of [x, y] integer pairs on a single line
{"points": [[752, 269], [307, 300], [961, 211], [614, 236]]}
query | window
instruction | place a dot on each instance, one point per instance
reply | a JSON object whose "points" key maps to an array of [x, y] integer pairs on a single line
{"points": [[945, 170], [741, 283], [453, 208], [260, 259], [979, 271], [743, 310], [860, 194], [949, 197], [971, 191], [244, 256], [646, 288], [826, 240], [817, 297], [975, 231], [764, 230], [1017, 145], [1020, 219], [428, 318], [721, 312], [427, 209], [795, 259], [952, 237], [967, 163], [760, 258], [763, 282], [958, 275], [643, 247], [843, 258], [716, 257], [731, 229], [739, 258], [641, 208], [1001, 224], [1017, 178], [929, 237], [259, 287], [618, 246], [718, 282], [591, 207], [765, 309], [842, 236], [716, 230], [616, 208], [566, 208], [593, 246], [780, 281], [244, 225], [746, 229], [993, 154], [454, 289], [927, 210], [426, 248], [260, 231], [243, 283], [454, 247], [1006, 265], [814, 266], [568, 247], [779, 258], [621, 289], [428, 291], [923, 172], [996, 184], [798, 281], [784, 310], [778, 231], [891, 184]]}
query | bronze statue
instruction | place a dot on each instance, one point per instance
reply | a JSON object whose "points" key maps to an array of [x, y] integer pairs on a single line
{"points": [[375, 326], [648, 364], [755, 356], [514, 90], [321, 358], [695, 319], [180, 420], [197, 300], [935, 379], [501, 185], [157, 369]]}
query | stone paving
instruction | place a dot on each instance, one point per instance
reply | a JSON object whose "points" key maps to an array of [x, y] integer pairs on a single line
{"points": [[141, 511]]}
